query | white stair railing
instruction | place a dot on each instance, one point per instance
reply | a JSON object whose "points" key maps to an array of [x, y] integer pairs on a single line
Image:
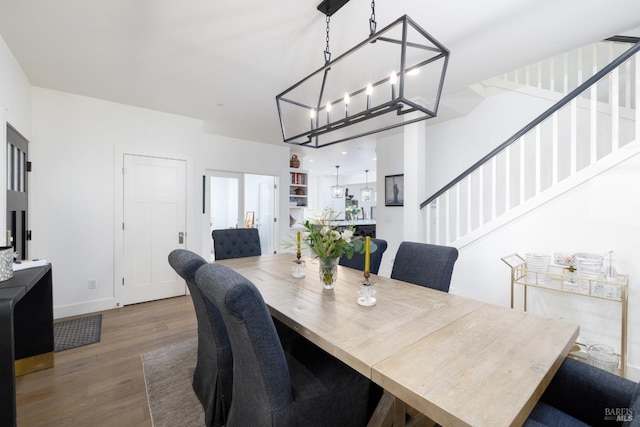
{"points": [[590, 124], [565, 72]]}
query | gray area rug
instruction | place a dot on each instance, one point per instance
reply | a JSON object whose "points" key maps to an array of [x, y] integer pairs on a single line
{"points": [[168, 373], [76, 332]]}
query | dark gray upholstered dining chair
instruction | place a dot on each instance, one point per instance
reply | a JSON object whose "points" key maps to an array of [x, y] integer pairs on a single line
{"points": [[272, 387], [425, 265], [244, 242], [357, 260], [236, 243], [213, 377], [583, 395]]}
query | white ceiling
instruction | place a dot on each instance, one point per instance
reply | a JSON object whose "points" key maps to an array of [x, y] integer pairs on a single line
{"points": [[224, 61]]}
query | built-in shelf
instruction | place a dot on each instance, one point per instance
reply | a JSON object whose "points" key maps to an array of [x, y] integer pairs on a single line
{"points": [[298, 195]]}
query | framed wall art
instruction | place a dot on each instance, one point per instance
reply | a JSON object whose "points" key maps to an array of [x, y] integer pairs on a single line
{"points": [[394, 190], [249, 220]]}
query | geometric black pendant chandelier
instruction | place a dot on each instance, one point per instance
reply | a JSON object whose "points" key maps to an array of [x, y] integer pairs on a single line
{"points": [[392, 78]]}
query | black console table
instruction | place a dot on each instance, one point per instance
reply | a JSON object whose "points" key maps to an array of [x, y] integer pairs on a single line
{"points": [[26, 332]]}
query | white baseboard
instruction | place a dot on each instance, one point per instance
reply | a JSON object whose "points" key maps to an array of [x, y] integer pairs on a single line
{"points": [[84, 308]]}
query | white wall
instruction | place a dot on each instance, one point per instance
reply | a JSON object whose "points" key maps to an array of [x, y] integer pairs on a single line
{"points": [[598, 216], [389, 219], [454, 145], [77, 149]]}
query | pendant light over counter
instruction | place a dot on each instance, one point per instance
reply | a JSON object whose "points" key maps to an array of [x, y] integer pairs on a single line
{"points": [[366, 193], [337, 190]]}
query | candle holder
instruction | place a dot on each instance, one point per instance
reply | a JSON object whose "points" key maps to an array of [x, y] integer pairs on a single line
{"points": [[298, 267], [367, 291]]}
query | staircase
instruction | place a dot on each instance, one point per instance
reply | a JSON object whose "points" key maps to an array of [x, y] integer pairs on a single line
{"points": [[594, 125]]}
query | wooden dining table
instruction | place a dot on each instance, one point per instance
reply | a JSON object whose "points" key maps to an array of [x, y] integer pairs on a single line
{"points": [[455, 360]]}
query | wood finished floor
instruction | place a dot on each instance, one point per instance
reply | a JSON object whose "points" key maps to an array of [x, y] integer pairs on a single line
{"points": [[102, 384]]}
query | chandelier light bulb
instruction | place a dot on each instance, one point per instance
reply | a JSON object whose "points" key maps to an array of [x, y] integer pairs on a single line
{"points": [[328, 108], [393, 79], [369, 92]]}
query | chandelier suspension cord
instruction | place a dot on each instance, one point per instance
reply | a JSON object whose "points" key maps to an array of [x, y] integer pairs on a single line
{"points": [[372, 20], [327, 52]]}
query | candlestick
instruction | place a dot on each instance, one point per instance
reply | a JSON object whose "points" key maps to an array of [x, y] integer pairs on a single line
{"points": [[367, 254], [298, 244]]}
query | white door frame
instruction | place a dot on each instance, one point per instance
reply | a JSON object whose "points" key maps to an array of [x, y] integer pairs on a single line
{"points": [[118, 207], [205, 226]]}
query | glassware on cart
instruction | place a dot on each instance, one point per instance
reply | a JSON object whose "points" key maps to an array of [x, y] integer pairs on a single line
{"points": [[537, 265], [603, 357], [568, 261], [610, 272], [588, 269]]}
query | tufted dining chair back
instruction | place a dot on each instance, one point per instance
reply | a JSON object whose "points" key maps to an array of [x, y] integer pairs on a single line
{"points": [[236, 243], [273, 387]]}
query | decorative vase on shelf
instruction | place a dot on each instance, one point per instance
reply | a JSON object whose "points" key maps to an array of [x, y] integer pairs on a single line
{"points": [[328, 270], [294, 162]]}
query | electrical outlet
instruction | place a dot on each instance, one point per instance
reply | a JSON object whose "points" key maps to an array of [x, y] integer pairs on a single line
{"points": [[93, 284]]}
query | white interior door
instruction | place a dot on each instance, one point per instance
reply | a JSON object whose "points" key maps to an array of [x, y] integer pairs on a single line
{"points": [[265, 217], [154, 224]]}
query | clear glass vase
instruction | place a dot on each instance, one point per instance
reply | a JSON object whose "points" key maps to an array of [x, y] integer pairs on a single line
{"points": [[328, 270]]}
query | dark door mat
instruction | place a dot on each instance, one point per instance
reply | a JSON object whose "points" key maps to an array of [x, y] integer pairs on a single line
{"points": [[76, 332]]}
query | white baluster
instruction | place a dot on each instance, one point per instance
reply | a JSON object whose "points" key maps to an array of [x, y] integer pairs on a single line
{"points": [[522, 170], [538, 161], [615, 109], [507, 180], [447, 217], [593, 123], [494, 185], [458, 210], [574, 136], [554, 148]]}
